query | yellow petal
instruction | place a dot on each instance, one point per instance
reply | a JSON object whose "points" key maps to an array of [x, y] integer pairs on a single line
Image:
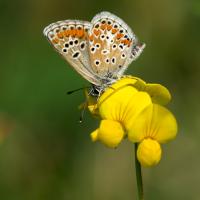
{"points": [[114, 106], [109, 133], [154, 122], [124, 105], [120, 84], [94, 135], [149, 153], [139, 84], [159, 94], [136, 104]]}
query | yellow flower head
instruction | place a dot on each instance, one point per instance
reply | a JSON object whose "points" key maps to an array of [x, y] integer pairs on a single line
{"points": [[133, 108]]}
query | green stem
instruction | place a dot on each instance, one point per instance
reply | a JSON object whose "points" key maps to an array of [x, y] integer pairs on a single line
{"points": [[138, 176]]}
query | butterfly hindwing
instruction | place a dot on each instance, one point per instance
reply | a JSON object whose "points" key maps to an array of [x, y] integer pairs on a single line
{"points": [[111, 43], [70, 39]]}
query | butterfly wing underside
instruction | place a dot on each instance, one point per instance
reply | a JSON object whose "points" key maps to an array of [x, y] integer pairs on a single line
{"points": [[70, 39], [113, 45], [100, 50]]}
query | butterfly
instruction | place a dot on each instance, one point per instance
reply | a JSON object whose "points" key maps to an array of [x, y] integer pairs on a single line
{"points": [[100, 50]]}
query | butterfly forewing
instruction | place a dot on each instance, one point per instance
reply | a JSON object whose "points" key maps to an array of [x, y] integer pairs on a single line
{"points": [[111, 42], [70, 39]]}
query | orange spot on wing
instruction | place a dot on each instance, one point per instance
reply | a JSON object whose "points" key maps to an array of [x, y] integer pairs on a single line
{"points": [[91, 37], [129, 43], [109, 27], [103, 26], [126, 42], [119, 35], [73, 32], [80, 33], [96, 32], [66, 33], [114, 30], [55, 41], [60, 35], [69, 32]]}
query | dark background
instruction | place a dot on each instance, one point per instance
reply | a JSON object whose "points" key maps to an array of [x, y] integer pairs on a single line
{"points": [[45, 154]]}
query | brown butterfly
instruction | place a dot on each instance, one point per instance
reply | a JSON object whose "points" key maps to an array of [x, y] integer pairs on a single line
{"points": [[100, 50]]}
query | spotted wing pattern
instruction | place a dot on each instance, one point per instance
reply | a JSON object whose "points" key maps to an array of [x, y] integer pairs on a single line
{"points": [[100, 50], [113, 45], [70, 39]]}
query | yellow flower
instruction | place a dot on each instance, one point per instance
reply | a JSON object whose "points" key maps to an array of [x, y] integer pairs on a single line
{"points": [[154, 125], [134, 108], [155, 122]]}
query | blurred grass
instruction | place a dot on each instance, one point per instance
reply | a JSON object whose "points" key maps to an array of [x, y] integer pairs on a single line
{"points": [[48, 154]]}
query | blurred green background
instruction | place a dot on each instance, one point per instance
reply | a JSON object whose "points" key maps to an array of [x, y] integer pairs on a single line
{"points": [[45, 154]]}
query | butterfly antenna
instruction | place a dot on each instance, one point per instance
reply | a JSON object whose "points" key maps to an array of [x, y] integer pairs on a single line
{"points": [[72, 91]]}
